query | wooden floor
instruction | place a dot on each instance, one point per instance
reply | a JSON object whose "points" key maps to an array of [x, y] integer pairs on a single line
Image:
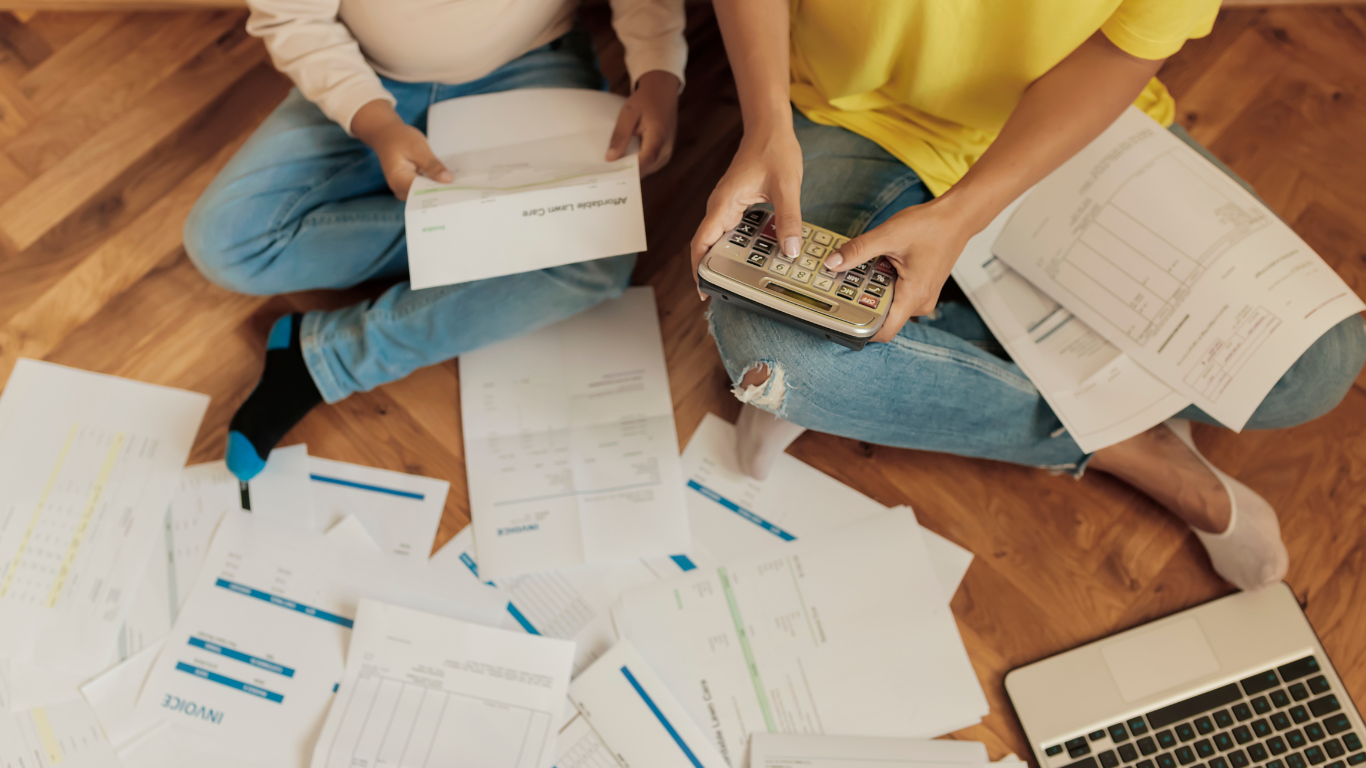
{"points": [[111, 124]]}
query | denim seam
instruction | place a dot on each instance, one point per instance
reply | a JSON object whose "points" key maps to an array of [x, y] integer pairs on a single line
{"points": [[314, 360], [289, 209]]}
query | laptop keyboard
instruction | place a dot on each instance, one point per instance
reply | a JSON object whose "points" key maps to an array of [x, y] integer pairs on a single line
{"points": [[1286, 717]]}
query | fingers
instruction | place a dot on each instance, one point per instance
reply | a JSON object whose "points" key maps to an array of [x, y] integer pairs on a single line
{"points": [[627, 120], [430, 166], [656, 147], [720, 218], [912, 297], [787, 207], [865, 247], [401, 180]]}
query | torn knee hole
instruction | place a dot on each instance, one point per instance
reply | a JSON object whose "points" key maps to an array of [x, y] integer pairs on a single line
{"points": [[762, 386]]}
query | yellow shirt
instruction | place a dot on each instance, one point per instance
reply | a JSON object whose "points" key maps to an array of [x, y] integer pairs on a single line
{"points": [[933, 81]]}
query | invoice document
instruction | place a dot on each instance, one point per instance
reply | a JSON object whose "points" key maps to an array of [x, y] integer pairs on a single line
{"points": [[1099, 393], [845, 633], [65, 734], [260, 644], [571, 603], [282, 494], [625, 717], [785, 750], [401, 512], [424, 690], [532, 188], [732, 514], [88, 463], [1169, 259], [570, 443]]}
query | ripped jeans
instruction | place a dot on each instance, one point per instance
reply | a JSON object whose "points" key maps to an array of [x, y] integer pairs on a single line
{"points": [[944, 383]]}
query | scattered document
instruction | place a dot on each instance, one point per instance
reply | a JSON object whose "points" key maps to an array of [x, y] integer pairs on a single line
{"points": [[570, 444], [260, 644], [401, 512], [1098, 392], [733, 515], [625, 716], [844, 633], [282, 493], [531, 187], [113, 697], [423, 690], [88, 463], [784, 750], [1178, 266], [65, 734]]}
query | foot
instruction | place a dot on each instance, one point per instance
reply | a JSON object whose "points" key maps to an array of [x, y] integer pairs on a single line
{"points": [[1237, 527], [760, 438], [283, 396]]}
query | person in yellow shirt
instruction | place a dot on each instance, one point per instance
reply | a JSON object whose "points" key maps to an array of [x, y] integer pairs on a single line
{"points": [[916, 122]]}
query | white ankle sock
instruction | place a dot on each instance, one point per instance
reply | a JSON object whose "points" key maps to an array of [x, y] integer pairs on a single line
{"points": [[760, 437], [1249, 554]]}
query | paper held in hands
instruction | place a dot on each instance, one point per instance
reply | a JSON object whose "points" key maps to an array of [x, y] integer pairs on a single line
{"points": [[531, 189]]}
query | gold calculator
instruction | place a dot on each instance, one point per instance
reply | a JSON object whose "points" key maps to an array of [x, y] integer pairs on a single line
{"points": [[748, 269]]}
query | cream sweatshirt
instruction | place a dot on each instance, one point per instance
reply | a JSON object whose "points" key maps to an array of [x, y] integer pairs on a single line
{"points": [[332, 49]]}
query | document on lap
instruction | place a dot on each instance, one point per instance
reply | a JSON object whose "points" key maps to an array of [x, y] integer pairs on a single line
{"points": [[784, 750], [251, 664], [1178, 266], [732, 514], [1100, 393], [624, 715], [570, 444], [531, 189], [422, 689], [88, 463], [847, 632]]}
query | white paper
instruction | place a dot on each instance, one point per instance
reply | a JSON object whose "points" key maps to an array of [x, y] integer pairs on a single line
{"points": [[569, 604], [1173, 262], [259, 646], [65, 734], [113, 696], [531, 187], [88, 463], [625, 716], [282, 493], [782, 750], [425, 690], [570, 443], [401, 512], [844, 633], [1098, 392], [732, 514]]}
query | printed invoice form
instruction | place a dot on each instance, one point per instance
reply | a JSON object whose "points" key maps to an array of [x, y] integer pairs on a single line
{"points": [[844, 633], [88, 463], [1098, 392], [423, 690], [570, 443], [1177, 265]]}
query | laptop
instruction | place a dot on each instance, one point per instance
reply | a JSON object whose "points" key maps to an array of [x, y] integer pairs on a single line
{"points": [[1240, 682]]}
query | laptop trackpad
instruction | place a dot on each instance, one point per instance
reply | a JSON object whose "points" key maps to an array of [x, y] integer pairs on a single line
{"points": [[1159, 659]]}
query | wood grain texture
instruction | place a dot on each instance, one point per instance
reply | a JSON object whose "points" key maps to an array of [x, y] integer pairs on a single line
{"points": [[111, 124]]}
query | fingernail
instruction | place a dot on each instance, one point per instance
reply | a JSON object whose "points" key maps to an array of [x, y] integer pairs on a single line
{"points": [[791, 245], [834, 261]]}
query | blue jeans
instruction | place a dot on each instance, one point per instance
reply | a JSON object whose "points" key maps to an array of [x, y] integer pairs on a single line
{"points": [[303, 206], [944, 384]]}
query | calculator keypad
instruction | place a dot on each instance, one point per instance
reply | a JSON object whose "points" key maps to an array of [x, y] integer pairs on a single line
{"points": [[868, 284]]}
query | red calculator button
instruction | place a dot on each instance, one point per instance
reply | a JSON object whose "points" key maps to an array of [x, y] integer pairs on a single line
{"points": [[884, 266], [868, 301], [770, 229]]}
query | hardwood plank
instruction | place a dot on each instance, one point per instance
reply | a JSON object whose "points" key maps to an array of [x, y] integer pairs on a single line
{"points": [[67, 185], [98, 46]]}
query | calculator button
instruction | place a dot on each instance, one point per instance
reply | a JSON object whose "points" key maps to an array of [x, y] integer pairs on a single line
{"points": [[801, 275], [847, 292], [746, 229], [862, 269], [868, 301], [764, 246], [884, 265], [740, 240], [824, 238], [757, 259], [754, 217], [852, 279], [809, 262], [771, 229], [780, 267], [815, 250], [881, 279], [827, 272], [875, 290], [823, 284], [806, 231]]}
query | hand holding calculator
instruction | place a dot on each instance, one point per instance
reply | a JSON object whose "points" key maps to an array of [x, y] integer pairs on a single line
{"points": [[747, 268]]}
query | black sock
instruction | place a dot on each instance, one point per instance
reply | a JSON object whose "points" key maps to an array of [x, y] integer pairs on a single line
{"points": [[283, 396]]}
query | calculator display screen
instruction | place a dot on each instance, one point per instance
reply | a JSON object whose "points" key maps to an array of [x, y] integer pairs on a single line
{"points": [[800, 298]]}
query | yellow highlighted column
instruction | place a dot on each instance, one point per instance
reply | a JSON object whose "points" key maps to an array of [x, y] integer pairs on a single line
{"points": [[45, 734], [83, 524], [42, 500]]}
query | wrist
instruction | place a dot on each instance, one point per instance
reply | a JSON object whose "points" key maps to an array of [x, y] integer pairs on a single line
{"points": [[659, 80], [968, 208], [372, 119]]}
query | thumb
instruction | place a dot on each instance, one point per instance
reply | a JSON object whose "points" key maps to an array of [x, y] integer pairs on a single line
{"points": [[625, 128], [430, 166], [865, 247], [787, 207]]}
